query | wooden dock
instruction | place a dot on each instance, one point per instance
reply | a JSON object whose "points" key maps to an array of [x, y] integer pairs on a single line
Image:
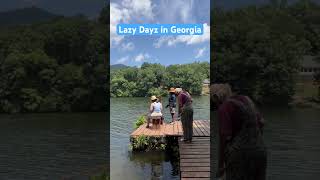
{"points": [[195, 156], [195, 159], [201, 128]]}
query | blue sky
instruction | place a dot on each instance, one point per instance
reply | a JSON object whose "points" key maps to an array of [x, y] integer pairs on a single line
{"points": [[134, 50]]}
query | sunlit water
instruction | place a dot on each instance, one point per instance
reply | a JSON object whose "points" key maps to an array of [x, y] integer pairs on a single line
{"points": [[154, 165]]}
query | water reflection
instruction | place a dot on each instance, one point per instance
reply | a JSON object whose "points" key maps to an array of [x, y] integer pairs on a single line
{"points": [[156, 164]]}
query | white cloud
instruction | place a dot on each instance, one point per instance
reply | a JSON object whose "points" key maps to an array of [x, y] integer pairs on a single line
{"points": [[122, 60], [117, 15], [126, 12], [162, 40], [142, 8], [142, 57], [200, 52], [187, 39], [176, 11], [127, 46]]}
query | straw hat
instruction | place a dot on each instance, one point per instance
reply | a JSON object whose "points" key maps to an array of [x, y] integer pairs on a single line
{"points": [[153, 98], [172, 90], [178, 90]]}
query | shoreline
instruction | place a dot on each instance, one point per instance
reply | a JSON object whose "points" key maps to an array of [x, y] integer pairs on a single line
{"points": [[55, 112]]}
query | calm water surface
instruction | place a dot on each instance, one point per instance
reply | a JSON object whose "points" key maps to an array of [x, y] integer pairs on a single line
{"points": [[52, 146], [293, 139], [138, 166], [292, 136]]}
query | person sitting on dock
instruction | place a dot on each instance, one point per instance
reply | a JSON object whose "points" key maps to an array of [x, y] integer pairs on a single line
{"points": [[172, 102], [242, 153], [155, 110]]}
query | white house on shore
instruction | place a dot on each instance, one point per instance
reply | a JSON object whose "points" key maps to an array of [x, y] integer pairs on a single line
{"points": [[205, 87], [309, 66]]}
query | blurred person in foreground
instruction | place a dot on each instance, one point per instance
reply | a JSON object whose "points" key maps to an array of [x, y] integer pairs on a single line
{"points": [[242, 153]]}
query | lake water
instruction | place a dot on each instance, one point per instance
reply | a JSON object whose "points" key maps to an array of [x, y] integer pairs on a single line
{"points": [[52, 146], [56, 145], [291, 135], [292, 138], [126, 165]]}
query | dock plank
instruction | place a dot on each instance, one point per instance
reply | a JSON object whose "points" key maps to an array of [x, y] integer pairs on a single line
{"points": [[195, 130], [200, 129], [195, 174], [195, 159], [180, 128], [206, 125], [194, 156]]}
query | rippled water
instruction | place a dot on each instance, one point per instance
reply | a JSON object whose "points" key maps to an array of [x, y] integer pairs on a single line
{"points": [[135, 166], [293, 140], [52, 146]]}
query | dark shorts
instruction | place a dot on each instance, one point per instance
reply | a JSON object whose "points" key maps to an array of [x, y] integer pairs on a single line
{"points": [[172, 110]]}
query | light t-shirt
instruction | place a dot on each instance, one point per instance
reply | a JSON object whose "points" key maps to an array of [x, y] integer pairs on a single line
{"points": [[156, 108]]}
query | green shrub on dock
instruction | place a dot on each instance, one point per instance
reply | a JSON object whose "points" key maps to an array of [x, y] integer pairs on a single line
{"points": [[141, 142], [141, 120], [162, 146], [146, 143]]}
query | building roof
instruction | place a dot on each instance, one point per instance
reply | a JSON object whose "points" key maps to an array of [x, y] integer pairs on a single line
{"points": [[310, 62]]}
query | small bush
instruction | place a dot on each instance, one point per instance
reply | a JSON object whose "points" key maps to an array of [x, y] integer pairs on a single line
{"points": [[141, 120], [146, 143], [141, 142]]}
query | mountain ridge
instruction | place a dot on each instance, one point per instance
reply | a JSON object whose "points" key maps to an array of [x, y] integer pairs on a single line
{"points": [[25, 16], [118, 66]]}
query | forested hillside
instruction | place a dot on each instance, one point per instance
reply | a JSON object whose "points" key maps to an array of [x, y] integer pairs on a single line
{"points": [[155, 79], [258, 49], [57, 65]]}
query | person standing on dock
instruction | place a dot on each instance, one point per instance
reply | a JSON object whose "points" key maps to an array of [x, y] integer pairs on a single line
{"points": [[242, 153], [172, 102], [186, 113]]}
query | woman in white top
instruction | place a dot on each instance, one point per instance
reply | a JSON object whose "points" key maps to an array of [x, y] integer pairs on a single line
{"points": [[155, 109]]}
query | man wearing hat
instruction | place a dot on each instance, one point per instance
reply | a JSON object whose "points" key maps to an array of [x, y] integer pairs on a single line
{"points": [[172, 102], [155, 109], [186, 112]]}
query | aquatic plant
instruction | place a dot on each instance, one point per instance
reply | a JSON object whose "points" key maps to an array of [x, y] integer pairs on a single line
{"points": [[146, 143], [140, 142], [141, 120], [162, 146]]}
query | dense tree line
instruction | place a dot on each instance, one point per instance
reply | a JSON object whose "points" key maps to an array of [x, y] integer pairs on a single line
{"points": [[258, 50], [59, 65], [155, 79]]}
